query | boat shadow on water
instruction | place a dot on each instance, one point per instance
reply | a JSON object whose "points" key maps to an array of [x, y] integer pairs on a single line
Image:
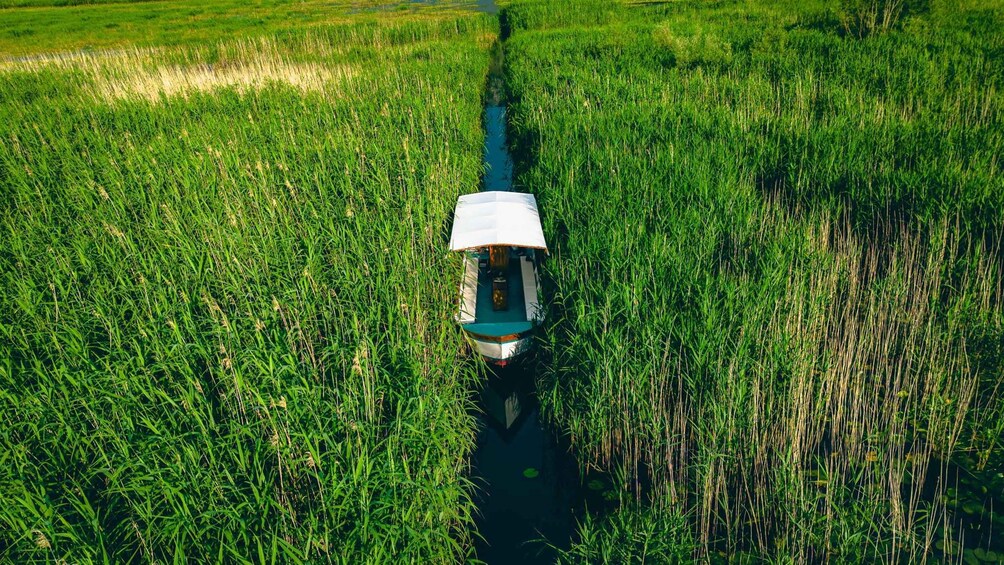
{"points": [[527, 484], [529, 491]]}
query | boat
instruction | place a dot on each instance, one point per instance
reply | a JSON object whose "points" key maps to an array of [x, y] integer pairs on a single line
{"points": [[500, 235]]}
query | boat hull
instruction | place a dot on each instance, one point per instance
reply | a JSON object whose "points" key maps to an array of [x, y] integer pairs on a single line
{"points": [[501, 351], [501, 330]]}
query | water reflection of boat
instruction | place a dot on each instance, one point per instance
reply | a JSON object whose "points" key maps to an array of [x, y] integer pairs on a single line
{"points": [[503, 242]]}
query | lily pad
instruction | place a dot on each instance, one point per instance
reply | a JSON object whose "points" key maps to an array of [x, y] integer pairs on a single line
{"points": [[531, 473], [972, 507], [948, 546]]}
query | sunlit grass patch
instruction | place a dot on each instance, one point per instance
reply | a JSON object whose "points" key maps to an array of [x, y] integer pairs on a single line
{"points": [[177, 80], [149, 74]]}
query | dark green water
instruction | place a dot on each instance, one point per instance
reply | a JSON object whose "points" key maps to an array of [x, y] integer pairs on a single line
{"points": [[528, 485]]}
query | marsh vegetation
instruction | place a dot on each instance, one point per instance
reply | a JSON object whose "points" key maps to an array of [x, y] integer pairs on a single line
{"points": [[225, 319], [777, 270], [775, 289]]}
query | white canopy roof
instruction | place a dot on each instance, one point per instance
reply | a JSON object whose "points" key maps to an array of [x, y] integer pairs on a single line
{"points": [[497, 218]]}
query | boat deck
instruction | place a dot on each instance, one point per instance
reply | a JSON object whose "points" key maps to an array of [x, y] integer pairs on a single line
{"points": [[486, 321], [515, 311]]}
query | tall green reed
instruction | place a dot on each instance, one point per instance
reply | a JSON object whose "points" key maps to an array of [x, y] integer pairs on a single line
{"points": [[225, 313], [776, 249]]}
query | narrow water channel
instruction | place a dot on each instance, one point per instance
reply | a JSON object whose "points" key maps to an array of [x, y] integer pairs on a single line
{"points": [[527, 484], [528, 487]]}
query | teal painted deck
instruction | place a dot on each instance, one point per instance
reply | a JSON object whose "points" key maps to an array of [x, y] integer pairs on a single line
{"points": [[498, 330], [512, 320]]}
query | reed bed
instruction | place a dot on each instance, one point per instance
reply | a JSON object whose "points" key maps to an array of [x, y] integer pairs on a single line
{"points": [[777, 277], [225, 310], [29, 28]]}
